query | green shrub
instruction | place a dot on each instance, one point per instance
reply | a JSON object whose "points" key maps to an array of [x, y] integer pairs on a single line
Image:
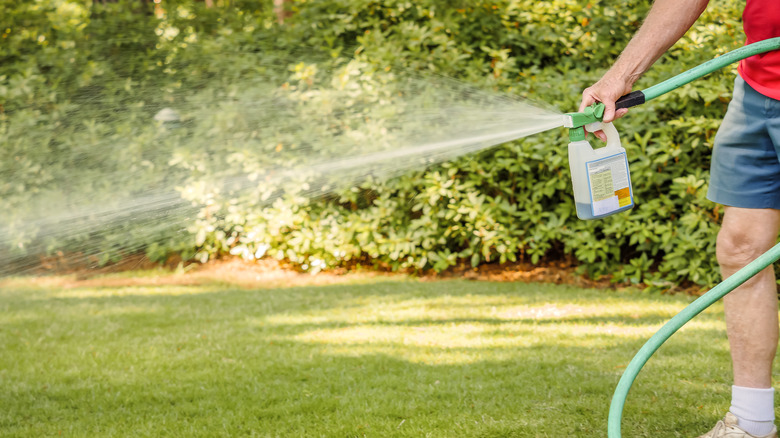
{"points": [[507, 203]]}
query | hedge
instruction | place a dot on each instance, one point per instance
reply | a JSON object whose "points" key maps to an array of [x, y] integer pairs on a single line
{"points": [[509, 202]]}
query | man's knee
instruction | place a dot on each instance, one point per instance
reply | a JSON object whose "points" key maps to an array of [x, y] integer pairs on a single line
{"points": [[734, 249], [745, 235]]}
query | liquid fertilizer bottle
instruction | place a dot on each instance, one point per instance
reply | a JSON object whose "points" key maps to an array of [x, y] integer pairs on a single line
{"points": [[600, 177]]}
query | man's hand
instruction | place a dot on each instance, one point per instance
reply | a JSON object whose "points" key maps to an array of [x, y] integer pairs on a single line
{"points": [[607, 90]]}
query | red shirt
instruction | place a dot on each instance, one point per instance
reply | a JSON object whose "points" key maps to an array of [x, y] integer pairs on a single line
{"points": [[761, 20]]}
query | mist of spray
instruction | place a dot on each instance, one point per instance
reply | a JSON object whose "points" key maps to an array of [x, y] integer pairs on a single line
{"points": [[136, 174]]}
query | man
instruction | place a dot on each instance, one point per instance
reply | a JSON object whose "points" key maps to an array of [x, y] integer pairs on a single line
{"points": [[745, 178]]}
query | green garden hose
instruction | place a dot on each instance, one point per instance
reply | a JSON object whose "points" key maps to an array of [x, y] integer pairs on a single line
{"points": [[674, 324], [640, 97], [719, 291]]}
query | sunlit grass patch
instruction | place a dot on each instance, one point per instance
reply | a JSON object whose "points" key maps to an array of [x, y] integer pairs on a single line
{"points": [[372, 358], [465, 329]]}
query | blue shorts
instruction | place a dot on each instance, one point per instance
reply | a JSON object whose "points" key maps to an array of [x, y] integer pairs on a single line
{"points": [[745, 169]]}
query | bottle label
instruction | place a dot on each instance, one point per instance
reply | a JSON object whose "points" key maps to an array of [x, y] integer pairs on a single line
{"points": [[610, 184]]}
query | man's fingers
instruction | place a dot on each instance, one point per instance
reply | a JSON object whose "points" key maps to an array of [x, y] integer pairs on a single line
{"points": [[600, 135], [609, 112], [587, 100]]}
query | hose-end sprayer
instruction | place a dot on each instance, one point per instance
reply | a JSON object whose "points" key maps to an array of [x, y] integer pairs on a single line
{"points": [[600, 177]]}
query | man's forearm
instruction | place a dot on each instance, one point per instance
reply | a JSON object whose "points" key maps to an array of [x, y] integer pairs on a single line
{"points": [[667, 22]]}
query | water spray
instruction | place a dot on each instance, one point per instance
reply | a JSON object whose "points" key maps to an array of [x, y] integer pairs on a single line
{"points": [[151, 174], [590, 119]]}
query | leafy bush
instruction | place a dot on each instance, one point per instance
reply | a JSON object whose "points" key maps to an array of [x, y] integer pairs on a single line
{"points": [[513, 201]]}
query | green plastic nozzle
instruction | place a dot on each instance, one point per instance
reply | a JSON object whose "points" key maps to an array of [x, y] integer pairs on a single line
{"points": [[577, 121]]}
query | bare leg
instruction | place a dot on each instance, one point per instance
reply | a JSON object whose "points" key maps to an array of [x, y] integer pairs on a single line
{"points": [[751, 309]]}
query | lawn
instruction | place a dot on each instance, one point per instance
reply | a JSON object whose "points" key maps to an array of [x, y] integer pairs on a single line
{"points": [[374, 357]]}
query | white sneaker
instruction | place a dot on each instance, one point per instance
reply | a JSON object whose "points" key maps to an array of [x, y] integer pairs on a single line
{"points": [[727, 428]]}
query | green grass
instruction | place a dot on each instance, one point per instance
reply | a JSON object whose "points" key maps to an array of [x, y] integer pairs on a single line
{"points": [[377, 358]]}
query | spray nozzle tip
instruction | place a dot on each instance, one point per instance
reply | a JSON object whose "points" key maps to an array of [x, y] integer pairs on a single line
{"points": [[593, 113]]}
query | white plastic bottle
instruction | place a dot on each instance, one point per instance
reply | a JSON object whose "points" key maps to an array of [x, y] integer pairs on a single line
{"points": [[600, 177]]}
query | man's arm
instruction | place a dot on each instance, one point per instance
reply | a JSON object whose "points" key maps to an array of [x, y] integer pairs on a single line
{"points": [[667, 22]]}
